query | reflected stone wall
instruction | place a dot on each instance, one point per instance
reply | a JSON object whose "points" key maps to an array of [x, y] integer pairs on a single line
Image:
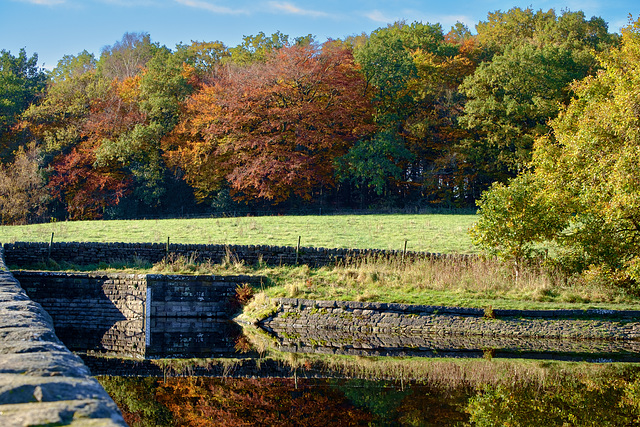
{"points": [[386, 329]]}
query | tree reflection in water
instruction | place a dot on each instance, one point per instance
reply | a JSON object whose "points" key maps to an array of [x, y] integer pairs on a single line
{"points": [[572, 394]]}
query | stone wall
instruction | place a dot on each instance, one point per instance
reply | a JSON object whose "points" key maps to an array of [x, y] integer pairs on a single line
{"points": [[30, 253], [194, 296], [139, 315], [383, 329], [41, 381]]}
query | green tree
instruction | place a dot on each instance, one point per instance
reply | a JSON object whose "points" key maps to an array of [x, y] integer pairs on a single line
{"points": [[413, 72], [258, 48], [510, 101], [372, 162], [21, 84], [515, 219], [593, 171], [584, 191], [57, 121], [511, 98]]}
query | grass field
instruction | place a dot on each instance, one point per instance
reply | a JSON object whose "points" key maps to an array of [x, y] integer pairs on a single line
{"points": [[431, 233]]}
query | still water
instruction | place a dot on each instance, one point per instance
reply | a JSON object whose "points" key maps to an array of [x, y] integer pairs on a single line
{"points": [[204, 372]]}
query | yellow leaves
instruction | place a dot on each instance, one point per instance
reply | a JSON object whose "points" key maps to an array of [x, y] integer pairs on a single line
{"points": [[129, 88], [189, 72]]}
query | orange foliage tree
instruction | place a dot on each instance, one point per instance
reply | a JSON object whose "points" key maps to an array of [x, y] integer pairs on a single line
{"points": [[272, 129], [85, 185]]}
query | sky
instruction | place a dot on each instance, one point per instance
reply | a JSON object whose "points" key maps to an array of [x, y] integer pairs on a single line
{"points": [[54, 28]]}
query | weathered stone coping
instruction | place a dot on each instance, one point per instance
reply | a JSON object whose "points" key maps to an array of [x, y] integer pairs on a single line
{"points": [[41, 381], [416, 309], [418, 320]]}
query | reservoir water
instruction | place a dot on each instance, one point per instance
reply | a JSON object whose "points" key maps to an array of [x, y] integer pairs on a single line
{"points": [[206, 372]]}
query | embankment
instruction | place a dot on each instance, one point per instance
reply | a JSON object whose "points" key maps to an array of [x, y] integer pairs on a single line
{"points": [[379, 329]]}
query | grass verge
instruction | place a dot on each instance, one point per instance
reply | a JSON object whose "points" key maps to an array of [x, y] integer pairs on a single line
{"points": [[444, 282]]}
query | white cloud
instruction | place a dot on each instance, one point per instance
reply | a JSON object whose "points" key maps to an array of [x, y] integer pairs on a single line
{"points": [[377, 16], [292, 9], [409, 16], [44, 2], [211, 7], [131, 3]]}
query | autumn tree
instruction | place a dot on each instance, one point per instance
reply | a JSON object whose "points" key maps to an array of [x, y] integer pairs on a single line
{"points": [[153, 97], [272, 130], [101, 124], [23, 196], [88, 186]]}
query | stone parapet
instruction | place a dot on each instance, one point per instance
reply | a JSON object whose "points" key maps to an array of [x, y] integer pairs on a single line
{"points": [[41, 381]]}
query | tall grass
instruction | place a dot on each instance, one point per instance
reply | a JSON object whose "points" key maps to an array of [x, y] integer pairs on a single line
{"points": [[448, 282], [475, 282]]}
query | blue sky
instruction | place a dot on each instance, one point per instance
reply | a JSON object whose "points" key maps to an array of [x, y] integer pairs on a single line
{"points": [[53, 28]]}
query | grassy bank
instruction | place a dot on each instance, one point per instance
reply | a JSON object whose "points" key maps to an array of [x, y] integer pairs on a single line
{"points": [[475, 283], [431, 233]]}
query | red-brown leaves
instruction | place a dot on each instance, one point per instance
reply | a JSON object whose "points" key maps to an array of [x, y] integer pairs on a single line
{"points": [[79, 180], [273, 129], [86, 190]]}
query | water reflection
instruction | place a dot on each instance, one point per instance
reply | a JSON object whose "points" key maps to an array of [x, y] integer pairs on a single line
{"points": [[568, 394], [246, 375], [153, 337], [209, 337]]}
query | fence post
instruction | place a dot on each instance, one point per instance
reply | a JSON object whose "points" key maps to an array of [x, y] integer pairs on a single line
{"points": [[404, 251], [298, 250], [50, 244]]}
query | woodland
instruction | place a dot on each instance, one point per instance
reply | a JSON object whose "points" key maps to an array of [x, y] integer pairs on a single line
{"points": [[409, 116], [533, 118]]}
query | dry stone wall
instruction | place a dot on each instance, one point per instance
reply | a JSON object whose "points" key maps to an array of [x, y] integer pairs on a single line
{"points": [[30, 253]]}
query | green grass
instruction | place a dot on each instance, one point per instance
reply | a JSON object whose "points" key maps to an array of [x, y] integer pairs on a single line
{"points": [[430, 232], [477, 283]]}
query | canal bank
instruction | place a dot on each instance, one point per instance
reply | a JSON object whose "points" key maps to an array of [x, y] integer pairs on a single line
{"points": [[387, 329]]}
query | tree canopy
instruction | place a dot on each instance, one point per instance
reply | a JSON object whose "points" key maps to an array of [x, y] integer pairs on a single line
{"points": [[272, 130], [408, 116], [587, 174]]}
